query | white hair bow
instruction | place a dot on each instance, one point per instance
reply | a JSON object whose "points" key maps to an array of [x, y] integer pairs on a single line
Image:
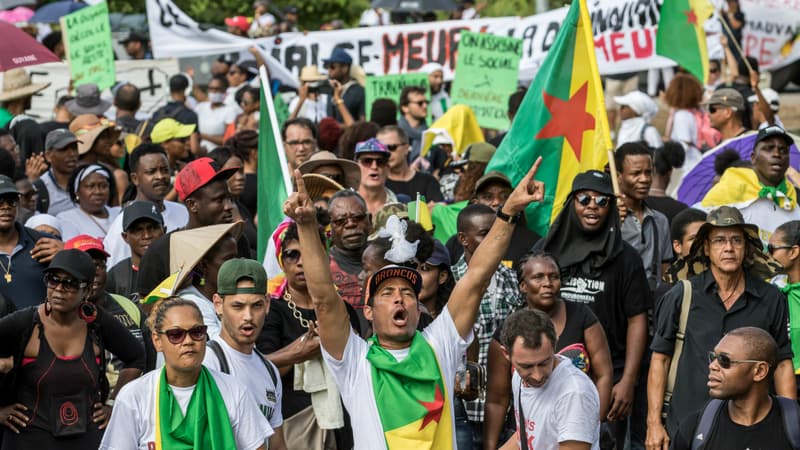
{"points": [[402, 250]]}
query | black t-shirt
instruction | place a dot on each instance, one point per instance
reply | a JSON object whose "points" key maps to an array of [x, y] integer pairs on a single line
{"points": [[281, 328], [666, 205], [769, 434], [424, 183], [249, 197], [122, 279], [619, 292], [578, 318], [353, 99]]}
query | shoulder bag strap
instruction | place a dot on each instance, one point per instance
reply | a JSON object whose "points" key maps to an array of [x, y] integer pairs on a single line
{"points": [[791, 419], [523, 432], [270, 368], [223, 361], [686, 304]]}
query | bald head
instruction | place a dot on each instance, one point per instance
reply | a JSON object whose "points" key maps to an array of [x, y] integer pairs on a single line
{"points": [[758, 344]]}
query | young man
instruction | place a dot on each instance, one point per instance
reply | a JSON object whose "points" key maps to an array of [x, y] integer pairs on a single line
{"points": [[415, 407], [402, 178], [61, 152], [142, 224], [555, 404], [242, 305], [413, 117], [740, 372]]}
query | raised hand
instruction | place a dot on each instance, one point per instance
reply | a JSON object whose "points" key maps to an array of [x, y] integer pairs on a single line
{"points": [[299, 205], [527, 191]]}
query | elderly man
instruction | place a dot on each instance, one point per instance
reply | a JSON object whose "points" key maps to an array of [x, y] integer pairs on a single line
{"points": [[728, 293], [743, 413], [763, 194]]}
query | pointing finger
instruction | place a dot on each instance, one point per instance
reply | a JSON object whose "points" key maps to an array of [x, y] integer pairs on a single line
{"points": [[301, 185]]}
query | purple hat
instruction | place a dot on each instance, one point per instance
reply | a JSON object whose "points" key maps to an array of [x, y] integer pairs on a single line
{"points": [[371, 145]]}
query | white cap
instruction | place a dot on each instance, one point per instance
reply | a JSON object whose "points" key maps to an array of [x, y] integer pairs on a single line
{"points": [[431, 67], [770, 96], [44, 219], [442, 137], [639, 102]]}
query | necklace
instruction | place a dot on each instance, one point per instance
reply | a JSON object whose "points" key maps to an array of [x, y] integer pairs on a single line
{"points": [[91, 217], [295, 312], [735, 288], [6, 269]]}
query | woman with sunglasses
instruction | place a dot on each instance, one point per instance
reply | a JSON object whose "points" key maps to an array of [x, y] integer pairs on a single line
{"points": [[91, 187], [580, 337], [184, 405], [57, 394], [784, 246]]}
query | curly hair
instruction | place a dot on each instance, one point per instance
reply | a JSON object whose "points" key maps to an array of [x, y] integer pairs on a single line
{"points": [[684, 92]]}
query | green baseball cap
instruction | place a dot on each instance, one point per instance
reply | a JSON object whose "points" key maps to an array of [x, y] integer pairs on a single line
{"points": [[234, 270]]}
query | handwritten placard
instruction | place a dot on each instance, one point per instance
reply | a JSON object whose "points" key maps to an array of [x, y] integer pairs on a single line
{"points": [[486, 74], [390, 86], [87, 43]]}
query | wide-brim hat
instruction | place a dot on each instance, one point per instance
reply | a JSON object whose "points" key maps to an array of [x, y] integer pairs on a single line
{"points": [[756, 261], [87, 127], [88, 101], [188, 247], [311, 73], [320, 186], [351, 170], [17, 84]]}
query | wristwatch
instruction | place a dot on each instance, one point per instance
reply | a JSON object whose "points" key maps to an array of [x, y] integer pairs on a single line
{"points": [[506, 218]]}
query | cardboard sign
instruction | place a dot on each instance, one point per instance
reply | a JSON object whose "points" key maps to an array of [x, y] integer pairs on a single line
{"points": [[390, 86], [87, 43]]}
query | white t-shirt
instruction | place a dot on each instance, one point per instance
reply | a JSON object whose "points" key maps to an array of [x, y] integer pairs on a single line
{"points": [[313, 110], [175, 216], [213, 121], [353, 376], [75, 221], [132, 424], [374, 17], [630, 130], [252, 373], [684, 130], [566, 408], [206, 306]]}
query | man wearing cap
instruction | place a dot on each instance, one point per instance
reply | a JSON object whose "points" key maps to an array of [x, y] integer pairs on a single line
{"points": [[136, 46], [124, 310], [202, 186], [142, 225], [373, 158], [763, 194], [242, 305], [174, 137], [725, 271], [636, 110], [352, 97], [726, 111], [766, 115], [237, 25], [411, 398], [402, 178], [15, 99], [150, 173], [310, 102], [61, 152]]}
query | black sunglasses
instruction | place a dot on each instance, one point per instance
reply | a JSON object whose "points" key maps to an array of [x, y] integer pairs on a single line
{"points": [[599, 200], [393, 147], [772, 248], [178, 335], [290, 256], [725, 361], [10, 200], [68, 284]]}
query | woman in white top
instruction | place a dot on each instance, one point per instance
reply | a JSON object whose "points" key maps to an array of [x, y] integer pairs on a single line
{"points": [[214, 115], [184, 405], [90, 187]]}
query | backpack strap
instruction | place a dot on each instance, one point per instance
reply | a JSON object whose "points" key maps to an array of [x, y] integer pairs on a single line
{"points": [[129, 307], [707, 419], [223, 361], [791, 419], [269, 366]]}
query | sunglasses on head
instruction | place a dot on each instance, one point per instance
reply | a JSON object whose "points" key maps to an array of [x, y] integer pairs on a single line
{"points": [[290, 256], [726, 362], [599, 200], [68, 284], [178, 335]]}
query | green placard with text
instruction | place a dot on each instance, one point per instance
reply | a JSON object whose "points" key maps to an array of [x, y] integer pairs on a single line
{"points": [[87, 43], [390, 86]]}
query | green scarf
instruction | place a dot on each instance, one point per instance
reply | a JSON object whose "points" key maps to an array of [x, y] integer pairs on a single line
{"points": [[771, 192], [412, 399], [792, 291], [204, 427]]}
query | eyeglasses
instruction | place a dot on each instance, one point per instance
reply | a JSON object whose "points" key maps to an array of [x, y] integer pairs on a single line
{"points": [[714, 108], [290, 256], [178, 335], [304, 143], [10, 200], [772, 248], [342, 221], [393, 147], [419, 102], [721, 241], [599, 200], [367, 162], [68, 284], [725, 361]]}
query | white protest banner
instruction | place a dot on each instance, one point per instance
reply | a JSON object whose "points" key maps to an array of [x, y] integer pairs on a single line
{"points": [[770, 32]]}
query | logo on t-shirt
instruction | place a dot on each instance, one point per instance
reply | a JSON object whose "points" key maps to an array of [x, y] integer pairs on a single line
{"points": [[582, 290]]}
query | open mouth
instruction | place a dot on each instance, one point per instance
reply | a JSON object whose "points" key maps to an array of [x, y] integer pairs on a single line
{"points": [[248, 330], [400, 317], [591, 219]]}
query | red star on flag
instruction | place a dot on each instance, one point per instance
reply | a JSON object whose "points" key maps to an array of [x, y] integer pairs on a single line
{"points": [[568, 118], [434, 408], [691, 17]]}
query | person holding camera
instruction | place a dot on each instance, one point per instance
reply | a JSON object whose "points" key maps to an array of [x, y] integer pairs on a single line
{"points": [[310, 102]]}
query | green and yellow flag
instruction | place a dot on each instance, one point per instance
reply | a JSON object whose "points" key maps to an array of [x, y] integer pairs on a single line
{"points": [[562, 119], [680, 36]]}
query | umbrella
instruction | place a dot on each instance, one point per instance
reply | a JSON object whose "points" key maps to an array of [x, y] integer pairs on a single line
{"points": [[8, 4], [415, 5], [19, 49], [51, 12], [16, 15]]}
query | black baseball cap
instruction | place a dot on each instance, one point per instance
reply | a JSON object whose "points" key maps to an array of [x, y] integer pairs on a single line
{"points": [[393, 271], [771, 131], [593, 180], [76, 263], [140, 210], [7, 186]]}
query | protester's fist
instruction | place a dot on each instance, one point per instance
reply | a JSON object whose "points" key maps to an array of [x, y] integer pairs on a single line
{"points": [[299, 206], [623, 210], [527, 191]]}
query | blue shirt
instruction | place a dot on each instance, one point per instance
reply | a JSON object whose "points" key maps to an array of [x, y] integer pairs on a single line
{"points": [[27, 275]]}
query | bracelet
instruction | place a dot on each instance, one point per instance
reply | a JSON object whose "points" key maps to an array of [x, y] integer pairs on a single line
{"points": [[337, 101], [507, 218], [110, 402]]}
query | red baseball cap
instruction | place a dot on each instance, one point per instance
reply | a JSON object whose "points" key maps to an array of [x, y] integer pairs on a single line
{"points": [[199, 173], [86, 243], [240, 22]]}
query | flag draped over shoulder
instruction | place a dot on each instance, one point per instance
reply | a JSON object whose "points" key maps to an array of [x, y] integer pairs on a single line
{"points": [[274, 182], [562, 119], [680, 36]]}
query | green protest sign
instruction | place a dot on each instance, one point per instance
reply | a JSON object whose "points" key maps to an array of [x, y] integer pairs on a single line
{"points": [[87, 43], [390, 86], [486, 73]]}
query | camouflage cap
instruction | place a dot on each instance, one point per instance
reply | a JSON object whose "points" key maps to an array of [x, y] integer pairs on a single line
{"points": [[379, 221]]}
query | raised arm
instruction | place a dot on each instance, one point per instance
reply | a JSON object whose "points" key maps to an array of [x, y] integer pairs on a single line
{"points": [[332, 319], [466, 296]]}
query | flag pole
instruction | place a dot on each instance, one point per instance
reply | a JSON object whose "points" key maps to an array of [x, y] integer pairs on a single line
{"points": [[612, 166], [273, 120], [736, 44]]}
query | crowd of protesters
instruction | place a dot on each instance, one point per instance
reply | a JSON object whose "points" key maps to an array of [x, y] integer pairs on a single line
{"points": [[135, 314]]}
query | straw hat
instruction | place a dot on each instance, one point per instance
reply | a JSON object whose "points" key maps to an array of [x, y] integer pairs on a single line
{"points": [[188, 247], [311, 73], [350, 169], [320, 186], [87, 127], [17, 84]]}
